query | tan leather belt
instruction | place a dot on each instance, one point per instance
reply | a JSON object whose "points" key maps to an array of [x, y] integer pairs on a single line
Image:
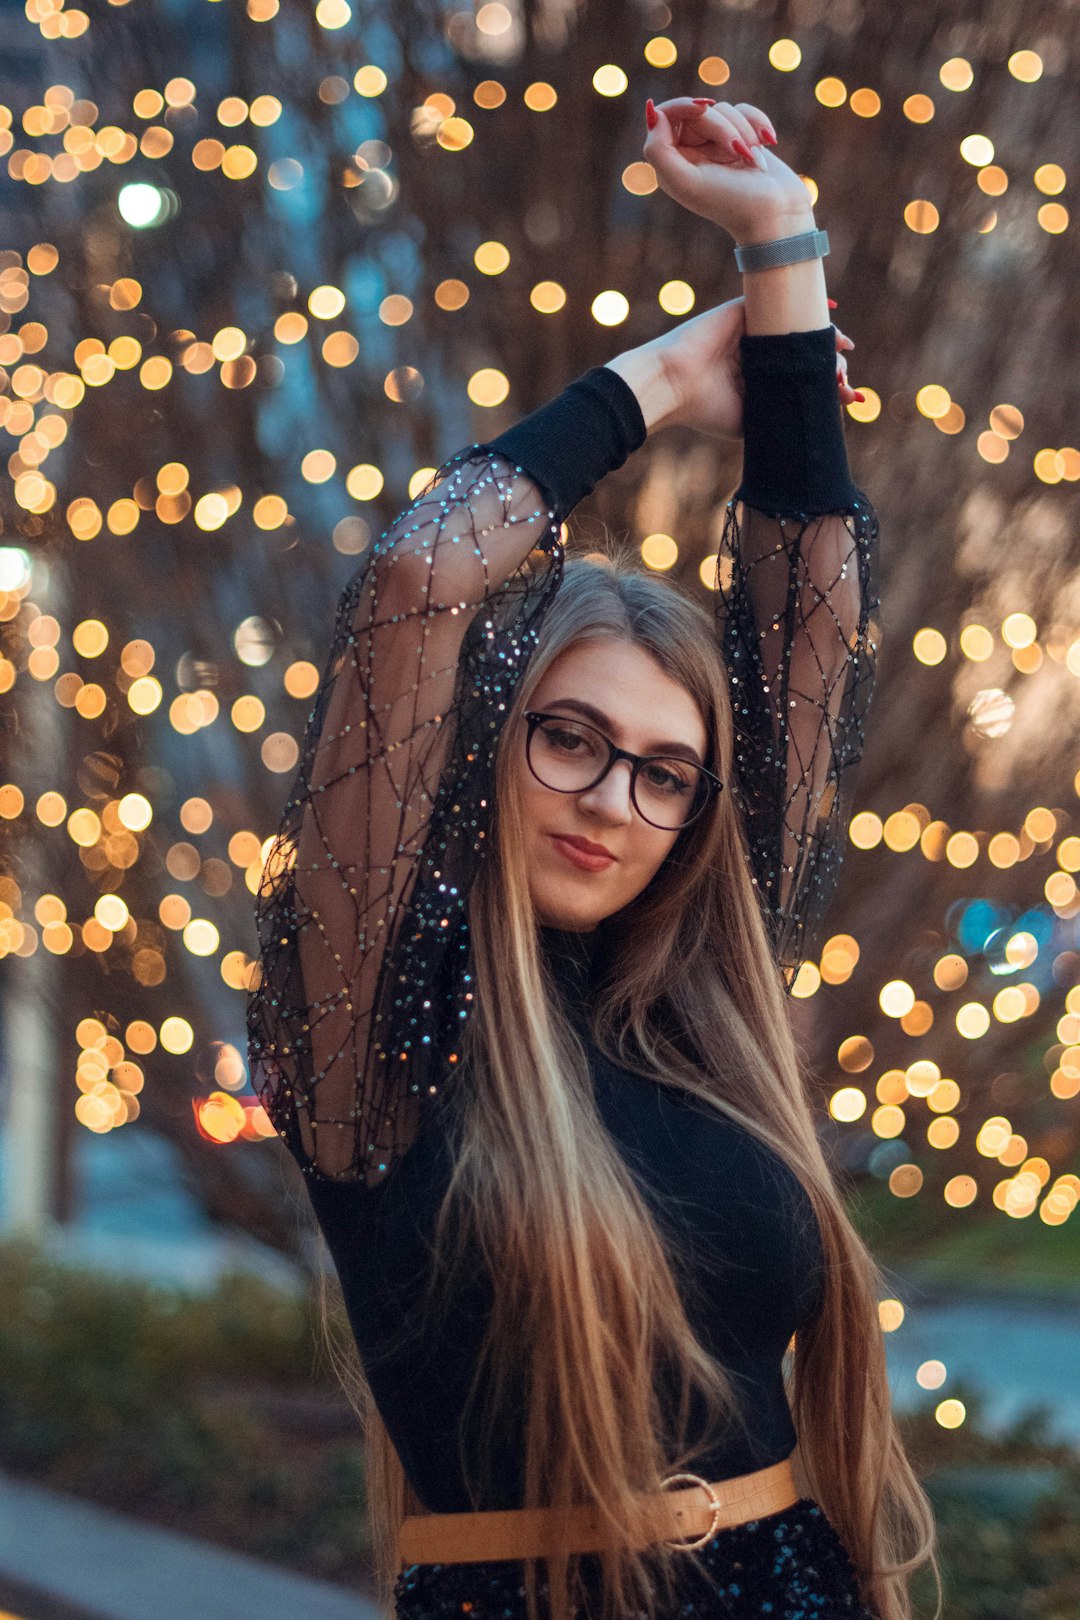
{"points": [[696, 1509]]}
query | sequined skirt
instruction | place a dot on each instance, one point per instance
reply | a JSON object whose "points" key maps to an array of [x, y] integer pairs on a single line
{"points": [[789, 1565]]}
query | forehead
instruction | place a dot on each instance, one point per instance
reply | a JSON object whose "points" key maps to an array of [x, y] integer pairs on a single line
{"points": [[630, 687]]}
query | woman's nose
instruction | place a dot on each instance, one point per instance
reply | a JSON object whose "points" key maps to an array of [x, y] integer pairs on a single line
{"points": [[611, 796]]}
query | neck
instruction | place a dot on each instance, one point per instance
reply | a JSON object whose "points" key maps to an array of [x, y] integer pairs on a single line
{"points": [[571, 956]]}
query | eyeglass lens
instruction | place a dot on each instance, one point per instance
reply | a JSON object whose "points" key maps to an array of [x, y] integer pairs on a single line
{"points": [[569, 755]]}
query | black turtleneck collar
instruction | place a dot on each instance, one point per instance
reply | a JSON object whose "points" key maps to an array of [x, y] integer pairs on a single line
{"points": [[573, 958]]}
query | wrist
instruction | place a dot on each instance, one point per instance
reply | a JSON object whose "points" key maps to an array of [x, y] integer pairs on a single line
{"points": [[774, 224], [645, 373], [791, 298], [786, 298]]}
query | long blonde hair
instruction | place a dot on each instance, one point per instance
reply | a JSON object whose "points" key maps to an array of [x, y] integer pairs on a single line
{"points": [[586, 1301]]}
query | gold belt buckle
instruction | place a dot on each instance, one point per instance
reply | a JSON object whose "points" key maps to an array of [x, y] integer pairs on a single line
{"points": [[716, 1504]]}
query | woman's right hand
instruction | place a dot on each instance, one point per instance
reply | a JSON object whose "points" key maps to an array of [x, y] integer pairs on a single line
{"points": [[695, 370], [692, 149]]}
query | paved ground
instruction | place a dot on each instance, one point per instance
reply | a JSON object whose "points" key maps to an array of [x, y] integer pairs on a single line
{"points": [[63, 1559], [18, 1602]]}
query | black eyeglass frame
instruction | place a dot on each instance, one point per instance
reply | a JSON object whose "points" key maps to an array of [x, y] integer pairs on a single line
{"points": [[713, 784]]}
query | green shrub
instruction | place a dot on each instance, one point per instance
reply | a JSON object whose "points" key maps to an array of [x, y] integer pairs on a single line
{"points": [[207, 1412], [215, 1414], [1008, 1515]]}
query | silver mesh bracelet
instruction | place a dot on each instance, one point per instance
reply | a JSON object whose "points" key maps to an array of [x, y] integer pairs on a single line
{"points": [[784, 250]]}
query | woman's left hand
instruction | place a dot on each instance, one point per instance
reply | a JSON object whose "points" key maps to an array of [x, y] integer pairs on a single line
{"points": [[699, 360], [694, 149]]}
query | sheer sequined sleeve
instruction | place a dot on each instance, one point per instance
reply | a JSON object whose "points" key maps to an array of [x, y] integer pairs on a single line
{"points": [[362, 987], [795, 615]]}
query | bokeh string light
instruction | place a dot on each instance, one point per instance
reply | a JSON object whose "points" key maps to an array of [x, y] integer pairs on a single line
{"points": [[1007, 965]]}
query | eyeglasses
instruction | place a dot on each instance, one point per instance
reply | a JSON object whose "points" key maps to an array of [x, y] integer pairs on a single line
{"points": [[570, 756]]}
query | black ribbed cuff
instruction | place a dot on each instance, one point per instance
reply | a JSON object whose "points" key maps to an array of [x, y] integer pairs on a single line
{"points": [[569, 444], [794, 454]]}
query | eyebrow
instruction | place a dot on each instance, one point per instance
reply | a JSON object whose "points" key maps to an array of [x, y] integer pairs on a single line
{"points": [[680, 749]]}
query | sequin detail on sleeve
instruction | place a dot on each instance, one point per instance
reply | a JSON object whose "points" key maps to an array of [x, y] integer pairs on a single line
{"points": [[794, 608], [362, 978]]}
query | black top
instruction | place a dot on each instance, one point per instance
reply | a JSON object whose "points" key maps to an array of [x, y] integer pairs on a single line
{"points": [[366, 972], [744, 1228]]}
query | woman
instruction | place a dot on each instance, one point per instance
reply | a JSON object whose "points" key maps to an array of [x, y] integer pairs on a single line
{"points": [[556, 847]]}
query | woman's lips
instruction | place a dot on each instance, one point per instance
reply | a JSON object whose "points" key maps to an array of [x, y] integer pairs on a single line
{"points": [[579, 858]]}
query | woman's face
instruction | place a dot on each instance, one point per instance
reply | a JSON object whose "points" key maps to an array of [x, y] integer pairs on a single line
{"points": [[621, 690]]}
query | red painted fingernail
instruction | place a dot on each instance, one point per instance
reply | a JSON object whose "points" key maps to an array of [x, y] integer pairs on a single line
{"points": [[769, 139], [860, 397], [704, 101], [832, 303], [743, 151], [650, 114]]}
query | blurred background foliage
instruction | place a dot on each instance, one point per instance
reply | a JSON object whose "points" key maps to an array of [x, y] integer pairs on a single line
{"points": [[263, 267], [284, 263]]}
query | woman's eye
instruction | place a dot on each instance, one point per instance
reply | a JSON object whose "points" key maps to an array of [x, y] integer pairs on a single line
{"points": [[668, 780]]}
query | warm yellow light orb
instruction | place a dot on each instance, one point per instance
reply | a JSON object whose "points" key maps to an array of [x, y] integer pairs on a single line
{"points": [[847, 1104], [1027, 66], [326, 303], [548, 297], [891, 1314], [610, 308], [956, 74], [364, 481], [784, 55], [676, 298], [610, 80], [929, 646], [134, 812], [960, 1191], [661, 52], [176, 1035], [111, 912], [488, 387], [492, 258], [201, 937]]}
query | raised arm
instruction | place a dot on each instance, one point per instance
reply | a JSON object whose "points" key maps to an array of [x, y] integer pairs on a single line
{"points": [[796, 588], [794, 613], [794, 566], [353, 1023]]}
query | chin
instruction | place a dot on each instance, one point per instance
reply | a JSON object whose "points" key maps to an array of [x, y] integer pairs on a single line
{"points": [[562, 915]]}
